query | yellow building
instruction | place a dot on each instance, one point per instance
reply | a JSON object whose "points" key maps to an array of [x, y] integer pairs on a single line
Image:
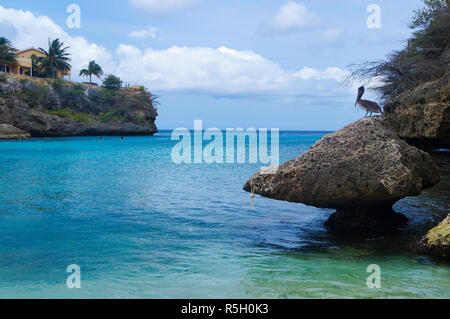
{"points": [[24, 63]]}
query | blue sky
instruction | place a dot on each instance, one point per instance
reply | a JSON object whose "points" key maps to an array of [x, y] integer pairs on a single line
{"points": [[253, 63]]}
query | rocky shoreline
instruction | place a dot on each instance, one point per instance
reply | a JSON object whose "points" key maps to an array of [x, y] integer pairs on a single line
{"points": [[9, 132], [436, 241], [36, 108], [361, 171]]}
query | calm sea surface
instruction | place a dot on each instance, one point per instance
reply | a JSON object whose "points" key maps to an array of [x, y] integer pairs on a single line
{"points": [[140, 226]]}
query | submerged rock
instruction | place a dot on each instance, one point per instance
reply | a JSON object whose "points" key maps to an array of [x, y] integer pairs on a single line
{"points": [[436, 241], [360, 170], [9, 132]]}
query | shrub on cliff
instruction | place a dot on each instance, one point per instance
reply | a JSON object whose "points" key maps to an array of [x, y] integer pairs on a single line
{"points": [[112, 82], [113, 116], [422, 60], [70, 96], [80, 117], [38, 95]]}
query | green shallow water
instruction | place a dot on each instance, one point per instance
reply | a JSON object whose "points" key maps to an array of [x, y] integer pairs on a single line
{"points": [[140, 226]]}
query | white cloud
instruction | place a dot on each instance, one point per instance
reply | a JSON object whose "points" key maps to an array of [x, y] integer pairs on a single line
{"points": [[222, 71], [162, 7], [292, 16], [218, 71], [31, 30], [149, 32]]}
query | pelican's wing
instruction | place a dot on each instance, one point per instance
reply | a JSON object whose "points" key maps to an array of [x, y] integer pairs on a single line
{"points": [[371, 106]]}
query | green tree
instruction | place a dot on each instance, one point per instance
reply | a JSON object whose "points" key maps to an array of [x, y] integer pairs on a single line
{"points": [[35, 65], [425, 58], [154, 100], [432, 12], [7, 54], [112, 82], [56, 58], [34, 60], [37, 71], [93, 69], [146, 93]]}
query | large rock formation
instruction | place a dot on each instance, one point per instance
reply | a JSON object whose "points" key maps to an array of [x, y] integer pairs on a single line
{"points": [[361, 171], [436, 241], [422, 116], [58, 109], [9, 132]]}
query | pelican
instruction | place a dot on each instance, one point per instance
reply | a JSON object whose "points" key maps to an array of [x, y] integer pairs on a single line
{"points": [[368, 106]]}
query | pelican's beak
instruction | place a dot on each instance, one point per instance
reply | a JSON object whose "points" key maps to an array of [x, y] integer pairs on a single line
{"points": [[356, 103]]}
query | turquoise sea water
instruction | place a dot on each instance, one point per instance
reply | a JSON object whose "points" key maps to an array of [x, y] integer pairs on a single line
{"points": [[140, 226]]}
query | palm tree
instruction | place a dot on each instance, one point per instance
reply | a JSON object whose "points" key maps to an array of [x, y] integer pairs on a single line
{"points": [[93, 69], [34, 65], [56, 58], [154, 99], [7, 54], [4, 41]]}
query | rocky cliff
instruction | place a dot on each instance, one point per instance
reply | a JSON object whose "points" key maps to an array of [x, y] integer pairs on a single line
{"points": [[422, 116], [46, 108]]}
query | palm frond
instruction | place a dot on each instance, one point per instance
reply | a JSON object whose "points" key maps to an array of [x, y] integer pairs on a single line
{"points": [[56, 58]]}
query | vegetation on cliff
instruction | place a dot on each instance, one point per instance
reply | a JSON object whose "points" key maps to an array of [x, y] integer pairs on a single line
{"points": [[82, 103], [45, 107], [112, 82], [425, 58]]}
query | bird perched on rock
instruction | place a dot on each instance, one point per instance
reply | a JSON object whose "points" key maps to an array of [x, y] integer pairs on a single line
{"points": [[369, 106]]}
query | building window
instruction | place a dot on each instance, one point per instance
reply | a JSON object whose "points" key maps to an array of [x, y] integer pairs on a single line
{"points": [[21, 71], [4, 68]]}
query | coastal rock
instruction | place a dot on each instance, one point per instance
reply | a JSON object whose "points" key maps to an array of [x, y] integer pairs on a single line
{"points": [[422, 116], [9, 132], [436, 241], [46, 109], [360, 170], [39, 124]]}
